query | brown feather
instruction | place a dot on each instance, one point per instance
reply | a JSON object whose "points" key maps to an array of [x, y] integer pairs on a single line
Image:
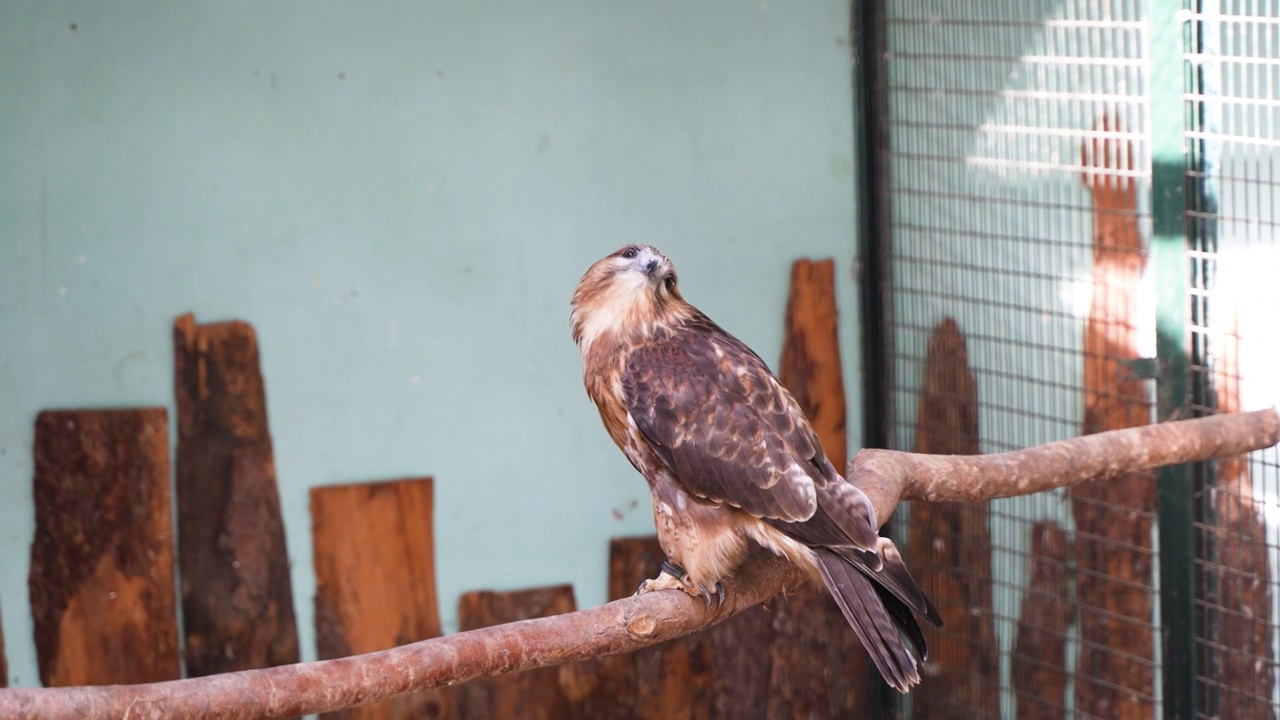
{"points": [[722, 425]]}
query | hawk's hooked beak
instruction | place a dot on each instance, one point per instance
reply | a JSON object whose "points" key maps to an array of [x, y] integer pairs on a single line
{"points": [[648, 263]]}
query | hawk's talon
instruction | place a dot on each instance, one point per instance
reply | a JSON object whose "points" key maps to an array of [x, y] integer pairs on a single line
{"points": [[718, 595], [674, 577]]}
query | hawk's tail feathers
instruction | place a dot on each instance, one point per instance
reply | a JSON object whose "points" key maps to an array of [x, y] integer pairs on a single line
{"points": [[892, 575], [877, 614]]}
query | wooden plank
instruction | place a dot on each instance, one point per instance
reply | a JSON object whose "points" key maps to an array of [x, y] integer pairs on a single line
{"points": [[101, 582], [671, 680], [237, 600], [817, 666], [735, 668], [1040, 650], [374, 553], [810, 366], [1241, 625], [1113, 517], [951, 545], [543, 694]]}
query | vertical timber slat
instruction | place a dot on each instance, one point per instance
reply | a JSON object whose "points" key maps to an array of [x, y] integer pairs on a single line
{"points": [[543, 694], [810, 366], [373, 546], [951, 545], [237, 599], [818, 667], [1114, 676], [101, 582], [670, 680], [1040, 649]]}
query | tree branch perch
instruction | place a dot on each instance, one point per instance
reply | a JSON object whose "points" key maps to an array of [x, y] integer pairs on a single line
{"points": [[632, 623], [890, 477]]}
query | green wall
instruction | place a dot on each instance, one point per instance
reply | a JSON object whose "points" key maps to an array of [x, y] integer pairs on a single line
{"points": [[400, 197]]}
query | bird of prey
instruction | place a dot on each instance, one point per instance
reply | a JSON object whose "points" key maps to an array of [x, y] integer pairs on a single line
{"points": [[730, 457]]}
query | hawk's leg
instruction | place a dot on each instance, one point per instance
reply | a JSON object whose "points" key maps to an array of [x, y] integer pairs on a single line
{"points": [[674, 577]]}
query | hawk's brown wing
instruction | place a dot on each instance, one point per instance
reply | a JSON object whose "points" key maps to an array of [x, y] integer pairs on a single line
{"points": [[710, 408]]}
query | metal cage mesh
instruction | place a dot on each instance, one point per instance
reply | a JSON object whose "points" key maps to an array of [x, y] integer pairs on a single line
{"points": [[1233, 214], [1021, 309]]}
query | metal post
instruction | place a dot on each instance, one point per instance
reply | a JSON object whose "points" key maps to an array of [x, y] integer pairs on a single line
{"points": [[867, 29], [1170, 37], [867, 33]]}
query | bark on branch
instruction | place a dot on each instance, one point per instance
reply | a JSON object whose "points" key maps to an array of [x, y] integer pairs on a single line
{"points": [[890, 477], [637, 622]]}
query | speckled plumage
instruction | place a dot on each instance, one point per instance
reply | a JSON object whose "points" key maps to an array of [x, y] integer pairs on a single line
{"points": [[729, 455]]}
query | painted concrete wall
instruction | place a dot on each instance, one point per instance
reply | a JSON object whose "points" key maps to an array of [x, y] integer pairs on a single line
{"points": [[401, 196]]}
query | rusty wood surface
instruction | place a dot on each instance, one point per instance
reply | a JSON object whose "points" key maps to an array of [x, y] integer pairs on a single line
{"points": [[546, 694], [1242, 625], [1114, 593], [950, 547], [670, 680], [237, 599], [636, 622], [810, 366], [373, 546], [817, 667], [1040, 650], [101, 582]]}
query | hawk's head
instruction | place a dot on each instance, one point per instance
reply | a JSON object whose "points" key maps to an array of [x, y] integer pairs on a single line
{"points": [[630, 291]]}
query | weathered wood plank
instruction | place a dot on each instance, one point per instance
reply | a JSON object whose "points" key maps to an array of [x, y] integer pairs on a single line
{"points": [[817, 666], [1241, 628], [101, 581], [1114, 670], [1040, 650], [374, 551], [546, 694], [671, 680], [951, 547], [237, 599], [810, 366]]}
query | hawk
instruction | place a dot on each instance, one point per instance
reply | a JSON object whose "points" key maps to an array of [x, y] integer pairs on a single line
{"points": [[731, 459]]}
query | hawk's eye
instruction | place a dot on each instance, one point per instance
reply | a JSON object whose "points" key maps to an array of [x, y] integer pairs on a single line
{"points": [[629, 253], [671, 283]]}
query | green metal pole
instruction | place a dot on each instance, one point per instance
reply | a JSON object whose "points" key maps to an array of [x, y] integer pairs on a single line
{"points": [[1170, 38]]}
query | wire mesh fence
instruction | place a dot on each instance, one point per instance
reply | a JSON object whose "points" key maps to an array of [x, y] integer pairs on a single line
{"points": [[1022, 308], [1233, 139]]}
